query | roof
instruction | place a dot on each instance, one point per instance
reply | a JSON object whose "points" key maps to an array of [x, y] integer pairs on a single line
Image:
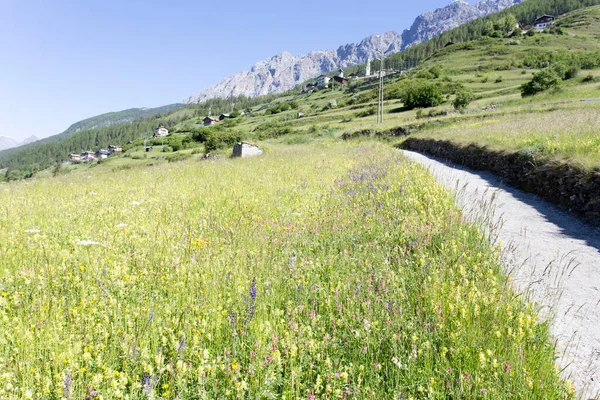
{"points": [[544, 16], [210, 118]]}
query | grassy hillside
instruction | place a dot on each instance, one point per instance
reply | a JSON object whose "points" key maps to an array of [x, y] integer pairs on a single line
{"points": [[491, 70], [315, 271]]}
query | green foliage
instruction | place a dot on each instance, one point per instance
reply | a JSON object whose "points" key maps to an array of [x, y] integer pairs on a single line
{"points": [[542, 80], [422, 95], [221, 138], [566, 71], [462, 100], [281, 107], [589, 78], [525, 12], [272, 129], [366, 113]]}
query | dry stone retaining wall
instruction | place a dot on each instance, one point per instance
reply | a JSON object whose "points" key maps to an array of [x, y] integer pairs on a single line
{"points": [[567, 185]]}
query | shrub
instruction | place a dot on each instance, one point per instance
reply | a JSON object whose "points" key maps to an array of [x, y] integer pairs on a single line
{"points": [[366, 113], [589, 78], [462, 100], [218, 139], [566, 71], [499, 79], [542, 80], [436, 71], [167, 149], [422, 96]]}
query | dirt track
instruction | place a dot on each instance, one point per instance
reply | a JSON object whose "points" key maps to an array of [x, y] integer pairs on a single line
{"points": [[550, 255]]}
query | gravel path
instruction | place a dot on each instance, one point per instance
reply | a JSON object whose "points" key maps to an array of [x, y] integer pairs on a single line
{"points": [[550, 255]]}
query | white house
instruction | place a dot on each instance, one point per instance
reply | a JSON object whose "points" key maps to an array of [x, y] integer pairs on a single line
{"points": [[161, 131], [543, 22], [323, 81]]}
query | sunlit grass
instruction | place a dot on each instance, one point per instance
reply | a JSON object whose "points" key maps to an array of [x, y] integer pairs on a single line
{"points": [[568, 135], [314, 271]]}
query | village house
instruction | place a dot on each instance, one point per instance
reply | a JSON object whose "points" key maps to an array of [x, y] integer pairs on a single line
{"points": [[309, 88], [161, 131], [102, 154], [543, 22], [341, 80], [224, 116], [323, 81], [353, 76], [208, 121], [73, 157], [115, 149], [88, 156]]}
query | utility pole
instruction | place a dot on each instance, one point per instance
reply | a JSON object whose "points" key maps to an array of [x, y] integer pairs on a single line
{"points": [[380, 100]]}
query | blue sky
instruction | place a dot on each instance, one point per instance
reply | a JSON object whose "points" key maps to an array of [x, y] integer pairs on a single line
{"points": [[64, 61]]}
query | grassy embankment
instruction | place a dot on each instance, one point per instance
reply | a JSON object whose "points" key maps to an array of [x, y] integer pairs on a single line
{"points": [[316, 271]]}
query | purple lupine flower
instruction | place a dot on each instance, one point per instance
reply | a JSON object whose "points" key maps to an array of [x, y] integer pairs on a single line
{"points": [[253, 289], [232, 318], [67, 383], [147, 383], [252, 300]]}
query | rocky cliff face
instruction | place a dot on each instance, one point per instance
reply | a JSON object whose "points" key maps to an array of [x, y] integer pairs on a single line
{"points": [[284, 71], [432, 23]]}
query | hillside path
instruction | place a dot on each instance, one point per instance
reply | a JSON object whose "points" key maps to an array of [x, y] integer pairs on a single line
{"points": [[550, 255]]}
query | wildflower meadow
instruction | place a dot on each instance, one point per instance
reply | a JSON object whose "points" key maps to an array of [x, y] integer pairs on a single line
{"points": [[321, 271]]}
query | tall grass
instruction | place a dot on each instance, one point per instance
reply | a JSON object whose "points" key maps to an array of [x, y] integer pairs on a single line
{"points": [[318, 271]]}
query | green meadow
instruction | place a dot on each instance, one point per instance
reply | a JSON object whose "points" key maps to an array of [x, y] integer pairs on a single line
{"points": [[322, 270]]}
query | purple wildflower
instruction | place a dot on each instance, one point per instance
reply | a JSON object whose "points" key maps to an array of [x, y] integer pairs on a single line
{"points": [[147, 384], [67, 383]]}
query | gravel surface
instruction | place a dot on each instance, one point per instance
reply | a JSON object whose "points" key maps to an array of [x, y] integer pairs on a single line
{"points": [[551, 256]]}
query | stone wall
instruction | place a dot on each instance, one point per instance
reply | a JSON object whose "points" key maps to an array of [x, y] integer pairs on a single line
{"points": [[567, 185]]}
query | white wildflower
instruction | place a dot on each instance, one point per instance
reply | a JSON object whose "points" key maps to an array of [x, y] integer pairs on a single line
{"points": [[87, 242]]}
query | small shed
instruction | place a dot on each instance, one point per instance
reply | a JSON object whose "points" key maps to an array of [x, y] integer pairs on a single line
{"points": [[208, 121], [224, 116], [244, 149]]}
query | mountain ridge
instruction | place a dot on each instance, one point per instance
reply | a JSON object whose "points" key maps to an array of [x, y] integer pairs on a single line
{"points": [[10, 143], [284, 71]]}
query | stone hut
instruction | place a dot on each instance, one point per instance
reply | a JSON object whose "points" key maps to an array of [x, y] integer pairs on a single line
{"points": [[244, 149]]}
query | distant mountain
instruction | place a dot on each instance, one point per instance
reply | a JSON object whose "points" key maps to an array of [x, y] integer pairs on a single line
{"points": [[115, 118], [284, 71], [433, 23], [8, 143], [30, 139]]}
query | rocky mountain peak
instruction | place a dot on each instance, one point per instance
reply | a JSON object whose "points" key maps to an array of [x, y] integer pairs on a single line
{"points": [[284, 71]]}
